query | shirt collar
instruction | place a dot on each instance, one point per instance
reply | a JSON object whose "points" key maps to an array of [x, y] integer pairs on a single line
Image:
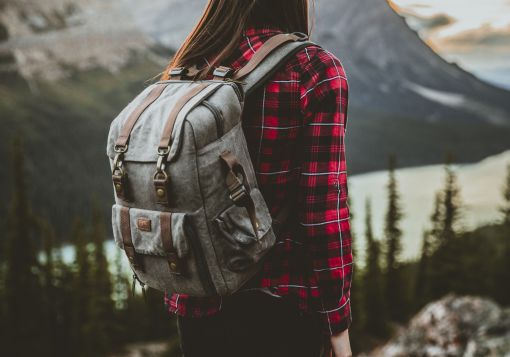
{"points": [[253, 30]]}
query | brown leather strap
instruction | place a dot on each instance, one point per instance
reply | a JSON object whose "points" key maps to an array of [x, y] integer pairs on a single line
{"points": [[239, 190], [164, 143], [129, 249], [168, 243], [125, 133], [282, 217], [264, 51]]}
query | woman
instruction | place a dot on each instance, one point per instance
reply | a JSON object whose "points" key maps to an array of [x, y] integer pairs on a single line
{"points": [[295, 127]]}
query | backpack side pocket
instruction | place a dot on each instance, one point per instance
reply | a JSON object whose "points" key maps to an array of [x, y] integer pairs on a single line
{"points": [[242, 249]]}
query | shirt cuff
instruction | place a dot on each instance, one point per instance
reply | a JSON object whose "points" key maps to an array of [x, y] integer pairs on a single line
{"points": [[336, 320]]}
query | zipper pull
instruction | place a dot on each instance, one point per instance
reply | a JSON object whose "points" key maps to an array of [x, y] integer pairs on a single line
{"points": [[144, 292], [133, 285], [142, 284]]}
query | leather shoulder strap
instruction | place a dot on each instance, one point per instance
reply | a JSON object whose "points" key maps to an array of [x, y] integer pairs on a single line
{"points": [[268, 58]]}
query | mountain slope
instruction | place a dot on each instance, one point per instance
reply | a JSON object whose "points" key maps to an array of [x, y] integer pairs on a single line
{"points": [[393, 70], [404, 98], [50, 38], [390, 69], [63, 128], [68, 66]]}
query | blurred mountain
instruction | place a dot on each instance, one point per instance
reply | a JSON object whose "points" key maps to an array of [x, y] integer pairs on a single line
{"points": [[404, 98], [67, 67], [393, 70], [49, 38], [453, 326], [390, 69]]}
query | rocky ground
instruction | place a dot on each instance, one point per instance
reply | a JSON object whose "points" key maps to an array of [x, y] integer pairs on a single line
{"points": [[454, 326], [463, 326]]}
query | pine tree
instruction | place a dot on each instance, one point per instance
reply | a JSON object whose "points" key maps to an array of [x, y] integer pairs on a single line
{"points": [[23, 292], [50, 289], [501, 291], [446, 276], [436, 219], [65, 278], [431, 239], [451, 204], [421, 287], [394, 283], [101, 305], [80, 314], [120, 283], [505, 209], [373, 285]]}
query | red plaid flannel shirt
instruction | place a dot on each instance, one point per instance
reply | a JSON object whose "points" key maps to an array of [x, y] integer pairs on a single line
{"points": [[295, 126]]}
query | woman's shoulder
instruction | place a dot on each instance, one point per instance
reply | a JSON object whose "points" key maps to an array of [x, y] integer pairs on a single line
{"points": [[313, 57], [315, 62]]}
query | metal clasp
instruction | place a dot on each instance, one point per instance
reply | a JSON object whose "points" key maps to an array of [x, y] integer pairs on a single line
{"points": [[222, 72], [121, 149], [178, 72], [301, 36], [119, 177], [161, 181], [238, 194]]}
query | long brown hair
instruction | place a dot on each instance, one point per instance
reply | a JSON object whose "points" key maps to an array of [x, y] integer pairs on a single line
{"points": [[221, 25]]}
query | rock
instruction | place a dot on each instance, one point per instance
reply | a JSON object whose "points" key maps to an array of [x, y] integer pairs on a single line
{"points": [[49, 39], [464, 326]]}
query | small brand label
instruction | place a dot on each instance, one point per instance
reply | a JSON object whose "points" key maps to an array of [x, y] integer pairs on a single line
{"points": [[144, 224]]}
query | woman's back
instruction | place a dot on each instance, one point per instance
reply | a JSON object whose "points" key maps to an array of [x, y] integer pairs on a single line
{"points": [[295, 126]]}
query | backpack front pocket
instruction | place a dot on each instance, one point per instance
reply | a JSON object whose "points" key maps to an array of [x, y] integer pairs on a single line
{"points": [[153, 233]]}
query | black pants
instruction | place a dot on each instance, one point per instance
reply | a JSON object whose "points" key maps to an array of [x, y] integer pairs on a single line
{"points": [[252, 324]]}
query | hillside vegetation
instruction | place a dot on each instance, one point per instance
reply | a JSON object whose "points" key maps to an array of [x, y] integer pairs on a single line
{"points": [[63, 126]]}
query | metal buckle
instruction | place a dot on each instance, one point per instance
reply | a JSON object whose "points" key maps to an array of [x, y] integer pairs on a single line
{"points": [[164, 152], [117, 165], [238, 194], [161, 175], [120, 149], [161, 164], [301, 36], [223, 72], [178, 71]]}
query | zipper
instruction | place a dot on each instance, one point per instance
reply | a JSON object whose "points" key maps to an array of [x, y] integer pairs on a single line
{"points": [[237, 90], [203, 269], [217, 117]]}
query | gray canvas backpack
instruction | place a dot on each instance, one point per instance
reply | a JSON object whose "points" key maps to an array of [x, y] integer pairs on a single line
{"points": [[188, 212]]}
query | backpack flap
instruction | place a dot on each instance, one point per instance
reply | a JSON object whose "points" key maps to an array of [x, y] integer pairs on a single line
{"points": [[149, 232]]}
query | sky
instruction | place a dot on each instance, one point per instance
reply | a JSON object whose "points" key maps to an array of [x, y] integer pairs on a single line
{"points": [[476, 34]]}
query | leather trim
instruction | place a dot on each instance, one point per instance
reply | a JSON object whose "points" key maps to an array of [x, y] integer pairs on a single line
{"points": [[166, 137], [168, 244], [127, 240], [127, 128], [234, 186], [264, 51]]}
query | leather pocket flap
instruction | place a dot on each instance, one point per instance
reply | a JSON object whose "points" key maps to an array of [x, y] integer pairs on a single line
{"points": [[147, 229]]}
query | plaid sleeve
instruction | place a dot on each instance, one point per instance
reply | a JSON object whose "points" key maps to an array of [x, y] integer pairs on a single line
{"points": [[323, 210]]}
